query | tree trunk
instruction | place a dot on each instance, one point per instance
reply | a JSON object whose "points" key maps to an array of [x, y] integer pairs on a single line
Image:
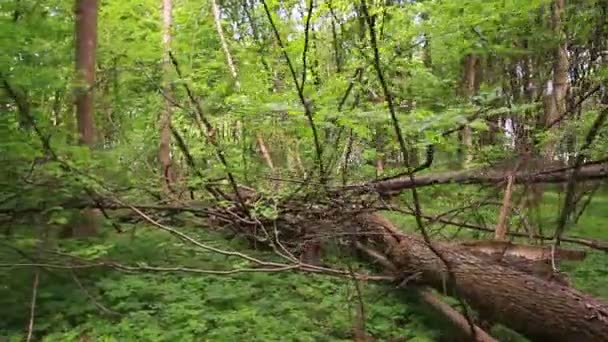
{"points": [[379, 146], [468, 90], [502, 226], [218, 26], [556, 103], [395, 185], [539, 309], [86, 45], [164, 148]]}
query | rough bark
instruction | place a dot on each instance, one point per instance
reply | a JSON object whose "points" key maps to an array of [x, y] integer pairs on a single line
{"points": [[427, 296], [164, 148], [539, 309], [86, 45], [507, 248]]}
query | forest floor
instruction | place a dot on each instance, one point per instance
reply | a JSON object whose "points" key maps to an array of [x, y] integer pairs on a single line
{"points": [[286, 306]]}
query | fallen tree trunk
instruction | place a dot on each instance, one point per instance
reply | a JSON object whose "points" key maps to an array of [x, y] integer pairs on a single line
{"points": [[395, 185], [427, 296], [539, 309]]}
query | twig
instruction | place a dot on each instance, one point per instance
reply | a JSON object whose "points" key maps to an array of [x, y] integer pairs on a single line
{"points": [[209, 133], [197, 243], [301, 266], [587, 201], [391, 107], [571, 185], [594, 244], [300, 89], [574, 107], [95, 302], [30, 327], [335, 41], [387, 94], [361, 312], [306, 43]]}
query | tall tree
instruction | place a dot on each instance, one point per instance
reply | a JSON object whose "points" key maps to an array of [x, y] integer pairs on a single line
{"points": [[86, 45], [164, 148], [557, 100], [470, 82]]}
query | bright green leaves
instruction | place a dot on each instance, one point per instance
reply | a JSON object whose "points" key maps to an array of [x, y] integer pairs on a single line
{"points": [[170, 307]]}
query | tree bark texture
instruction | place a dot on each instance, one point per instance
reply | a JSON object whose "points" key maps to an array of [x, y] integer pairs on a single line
{"points": [[556, 104], [428, 297], [539, 309], [86, 44], [164, 148]]}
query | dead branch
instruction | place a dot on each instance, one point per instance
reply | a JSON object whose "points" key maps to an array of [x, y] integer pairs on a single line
{"points": [[209, 132], [30, 327], [300, 85], [397, 185]]}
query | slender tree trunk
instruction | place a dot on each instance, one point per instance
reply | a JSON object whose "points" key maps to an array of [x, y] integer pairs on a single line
{"points": [[86, 45], [57, 99], [380, 153], [468, 90], [502, 226], [164, 148], [335, 38], [268, 158], [265, 152], [218, 26], [557, 101]]}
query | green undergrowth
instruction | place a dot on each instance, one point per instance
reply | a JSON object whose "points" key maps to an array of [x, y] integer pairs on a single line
{"points": [[282, 306], [285, 306]]}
